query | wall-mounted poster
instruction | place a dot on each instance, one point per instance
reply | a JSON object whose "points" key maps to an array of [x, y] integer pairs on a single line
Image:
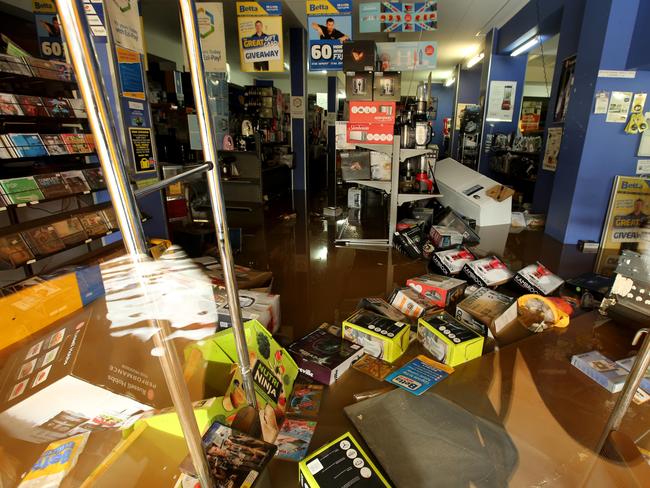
{"points": [[531, 114], [213, 41], [131, 75], [398, 16], [566, 87], [619, 107], [501, 101], [628, 213], [407, 56], [125, 24], [330, 25], [260, 36], [553, 143], [48, 31], [142, 145]]}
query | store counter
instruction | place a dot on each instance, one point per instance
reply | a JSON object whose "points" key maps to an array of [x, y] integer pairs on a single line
{"points": [[552, 413]]}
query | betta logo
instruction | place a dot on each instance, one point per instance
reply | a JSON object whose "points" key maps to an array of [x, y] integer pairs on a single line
{"points": [[625, 185], [318, 8], [267, 381], [247, 8]]}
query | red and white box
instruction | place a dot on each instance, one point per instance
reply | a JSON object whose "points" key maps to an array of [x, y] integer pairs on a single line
{"points": [[369, 133], [372, 112]]}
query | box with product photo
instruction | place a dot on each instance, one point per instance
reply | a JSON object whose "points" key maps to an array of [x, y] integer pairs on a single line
{"points": [[445, 237], [342, 462], [451, 261], [387, 86], [379, 336], [440, 290], [602, 370], [372, 112], [355, 165], [483, 309], [61, 383], [380, 166], [448, 340], [358, 86], [382, 307], [255, 305], [359, 133], [537, 278], [324, 357], [411, 303], [359, 56], [489, 271]]}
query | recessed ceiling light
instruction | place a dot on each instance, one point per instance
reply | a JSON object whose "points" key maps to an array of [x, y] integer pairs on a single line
{"points": [[525, 46]]}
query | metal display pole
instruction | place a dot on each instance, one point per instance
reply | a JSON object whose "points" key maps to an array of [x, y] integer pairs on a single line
{"points": [[111, 157], [208, 135]]}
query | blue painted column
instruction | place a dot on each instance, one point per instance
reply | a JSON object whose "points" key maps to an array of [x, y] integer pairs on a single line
{"points": [[469, 91], [332, 102], [298, 61], [593, 151]]}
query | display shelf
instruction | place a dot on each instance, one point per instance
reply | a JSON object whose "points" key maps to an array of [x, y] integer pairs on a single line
{"points": [[511, 151], [56, 157], [5, 206], [405, 154], [28, 119], [403, 198], [379, 185], [23, 80], [383, 148]]}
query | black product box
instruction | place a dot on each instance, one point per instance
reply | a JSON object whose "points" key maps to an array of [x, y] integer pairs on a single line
{"points": [[387, 86], [382, 307], [355, 165], [358, 86], [596, 284], [324, 357], [359, 56], [489, 271], [451, 261]]}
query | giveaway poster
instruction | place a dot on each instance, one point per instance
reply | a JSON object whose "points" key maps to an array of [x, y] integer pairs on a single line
{"points": [[407, 56], [213, 41], [125, 24], [330, 25], [260, 36], [398, 16], [629, 210]]}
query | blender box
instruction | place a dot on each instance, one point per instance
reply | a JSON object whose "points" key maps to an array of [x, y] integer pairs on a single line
{"points": [[483, 310], [439, 290], [355, 165], [372, 112], [410, 302], [358, 86], [387, 86], [324, 357], [380, 166], [489, 271], [537, 278], [451, 261], [340, 463], [362, 133], [449, 341], [359, 56], [445, 237], [75, 377], [382, 307], [379, 336]]}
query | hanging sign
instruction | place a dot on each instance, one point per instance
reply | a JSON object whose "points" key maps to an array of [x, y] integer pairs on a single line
{"points": [[260, 36], [552, 151], [501, 101], [330, 25], [125, 24], [142, 149], [407, 56], [48, 30], [398, 16], [131, 76], [213, 41]]}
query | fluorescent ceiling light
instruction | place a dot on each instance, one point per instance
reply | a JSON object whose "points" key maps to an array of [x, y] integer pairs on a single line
{"points": [[450, 81], [525, 46], [475, 60]]}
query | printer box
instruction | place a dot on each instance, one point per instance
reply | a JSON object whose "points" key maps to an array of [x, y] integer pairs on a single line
{"points": [[340, 463], [324, 357], [439, 290], [537, 278], [483, 310], [451, 261], [410, 302], [449, 341], [379, 336], [445, 237], [75, 377], [489, 271]]}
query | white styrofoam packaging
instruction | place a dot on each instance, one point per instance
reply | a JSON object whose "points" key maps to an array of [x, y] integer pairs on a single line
{"points": [[380, 166], [537, 278]]}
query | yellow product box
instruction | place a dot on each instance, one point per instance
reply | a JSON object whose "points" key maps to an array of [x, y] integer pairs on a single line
{"points": [[342, 462], [379, 336], [449, 341]]}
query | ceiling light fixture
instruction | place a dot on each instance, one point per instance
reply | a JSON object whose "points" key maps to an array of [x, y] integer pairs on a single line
{"points": [[475, 60], [525, 46], [450, 81]]}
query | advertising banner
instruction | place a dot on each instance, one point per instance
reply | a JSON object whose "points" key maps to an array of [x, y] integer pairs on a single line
{"points": [[330, 25], [398, 16], [125, 24], [213, 41], [48, 31], [407, 56], [260, 36], [629, 210], [131, 75], [501, 101]]}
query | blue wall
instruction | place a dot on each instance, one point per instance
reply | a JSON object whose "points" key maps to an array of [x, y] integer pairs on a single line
{"points": [[639, 56], [445, 109], [469, 90]]}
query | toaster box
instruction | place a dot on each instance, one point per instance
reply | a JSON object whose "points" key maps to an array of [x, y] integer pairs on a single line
{"points": [[410, 302], [372, 112], [451, 261], [363, 133], [489, 271], [359, 56], [382, 307], [355, 165], [447, 340], [484, 310], [388, 86], [445, 237], [358, 86], [379, 336], [440, 290], [537, 278]]}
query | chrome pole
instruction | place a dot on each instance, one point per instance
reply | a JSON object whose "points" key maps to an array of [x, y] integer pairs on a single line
{"points": [[112, 160], [208, 135]]}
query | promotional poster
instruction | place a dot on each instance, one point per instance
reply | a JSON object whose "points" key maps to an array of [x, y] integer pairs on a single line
{"points": [[398, 16], [330, 25], [260, 36], [213, 41], [407, 56], [125, 24], [501, 101], [629, 208], [50, 42]]}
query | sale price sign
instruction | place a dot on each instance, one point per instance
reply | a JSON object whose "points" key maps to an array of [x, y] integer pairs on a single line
{"points": [[48, 30], [330, 25]]}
